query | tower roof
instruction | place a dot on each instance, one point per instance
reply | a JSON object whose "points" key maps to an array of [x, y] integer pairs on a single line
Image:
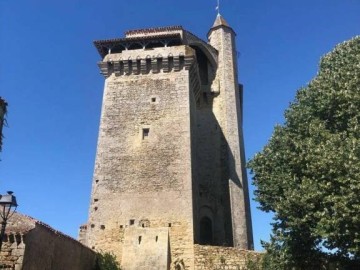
{"points": [[220, 21], [152, 38]]}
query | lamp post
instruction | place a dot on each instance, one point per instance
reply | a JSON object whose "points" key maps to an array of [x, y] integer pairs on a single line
{"points": [[7, 209]]}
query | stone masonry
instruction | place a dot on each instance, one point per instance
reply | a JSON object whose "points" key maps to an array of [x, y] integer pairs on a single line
{"points": [[224, 258], [169, 170], [32, 245]]}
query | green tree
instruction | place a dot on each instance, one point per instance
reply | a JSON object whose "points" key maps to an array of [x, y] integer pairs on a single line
{"points": [[107, 261], [3, 110], [308, 174]]}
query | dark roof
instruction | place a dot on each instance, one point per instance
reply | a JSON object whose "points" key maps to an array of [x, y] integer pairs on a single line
{"points": [[153, 30], [121, 43], [154, 37]]}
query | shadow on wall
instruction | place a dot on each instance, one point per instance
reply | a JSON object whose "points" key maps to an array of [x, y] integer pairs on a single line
{"points": [[215, 163]]}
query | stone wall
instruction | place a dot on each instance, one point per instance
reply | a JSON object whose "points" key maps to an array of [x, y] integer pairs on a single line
{"points": [[143, 170], [154, 242], [46, 249], [12, 252], [219, 258], [32, 245]]}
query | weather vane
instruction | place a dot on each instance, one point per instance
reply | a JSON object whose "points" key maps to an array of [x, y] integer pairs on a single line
{"points": [[218, 7]]}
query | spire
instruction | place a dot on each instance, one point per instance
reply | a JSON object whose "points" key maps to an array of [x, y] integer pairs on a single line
{"points": [[220, 21]]}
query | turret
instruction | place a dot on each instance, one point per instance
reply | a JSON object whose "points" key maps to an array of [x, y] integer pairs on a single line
{"points": [[228, 112]]}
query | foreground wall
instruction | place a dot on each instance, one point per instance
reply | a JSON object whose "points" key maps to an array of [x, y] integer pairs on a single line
{"points": [[32, 245], [45, 249], [216, 258]]}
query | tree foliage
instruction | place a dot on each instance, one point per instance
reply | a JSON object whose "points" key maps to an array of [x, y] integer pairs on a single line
{"points": [[3, 110], [308, 174], [107, 261]]}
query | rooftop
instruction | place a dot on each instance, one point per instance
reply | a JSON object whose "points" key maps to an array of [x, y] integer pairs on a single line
{"points": [[22, 224], [150, 38]]}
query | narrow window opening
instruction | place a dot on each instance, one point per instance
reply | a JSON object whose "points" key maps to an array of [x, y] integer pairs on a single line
{"points": [[148, 65], [18, 238], [138, 65], [205, 97], [11, 238], [143, 225], [156, 238], [182, 61], [95, 200], [139, 240], [92, 226], [102, 227], [132, 221], [169, 224], [145, 133], [121, 226], [153, 99], [159, 64], [95, 208]]}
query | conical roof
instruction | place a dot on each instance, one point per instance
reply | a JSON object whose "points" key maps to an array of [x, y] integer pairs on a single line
{"points": [[220, 21]]}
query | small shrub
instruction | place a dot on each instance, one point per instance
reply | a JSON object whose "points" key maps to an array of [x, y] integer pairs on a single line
{"points": [[222, 259], [107, 261], [255, 263]]}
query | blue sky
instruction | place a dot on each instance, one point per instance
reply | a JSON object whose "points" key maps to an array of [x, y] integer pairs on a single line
{"points": [[49, 76]]}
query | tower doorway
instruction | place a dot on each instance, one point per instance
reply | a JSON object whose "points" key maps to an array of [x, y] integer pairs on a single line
{"points": [[206, 231]]}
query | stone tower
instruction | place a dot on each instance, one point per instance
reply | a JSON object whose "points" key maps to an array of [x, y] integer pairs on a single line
{"points": [[169, 170]]}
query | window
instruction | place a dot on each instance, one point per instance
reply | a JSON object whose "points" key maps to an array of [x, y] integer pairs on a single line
{"points": [[145, 133], [132, 221]]}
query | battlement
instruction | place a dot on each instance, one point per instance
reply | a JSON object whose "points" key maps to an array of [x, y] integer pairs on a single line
{"points": [[143, 62]]}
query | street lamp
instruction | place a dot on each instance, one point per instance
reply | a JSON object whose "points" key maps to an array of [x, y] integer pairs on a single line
{"points": [[7, 209]]}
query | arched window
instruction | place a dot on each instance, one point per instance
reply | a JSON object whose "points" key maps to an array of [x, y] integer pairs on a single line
{"points": [[206, 233]]}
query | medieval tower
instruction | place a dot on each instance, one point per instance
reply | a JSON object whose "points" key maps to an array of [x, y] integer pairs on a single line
{"points": [[169, 169]]}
